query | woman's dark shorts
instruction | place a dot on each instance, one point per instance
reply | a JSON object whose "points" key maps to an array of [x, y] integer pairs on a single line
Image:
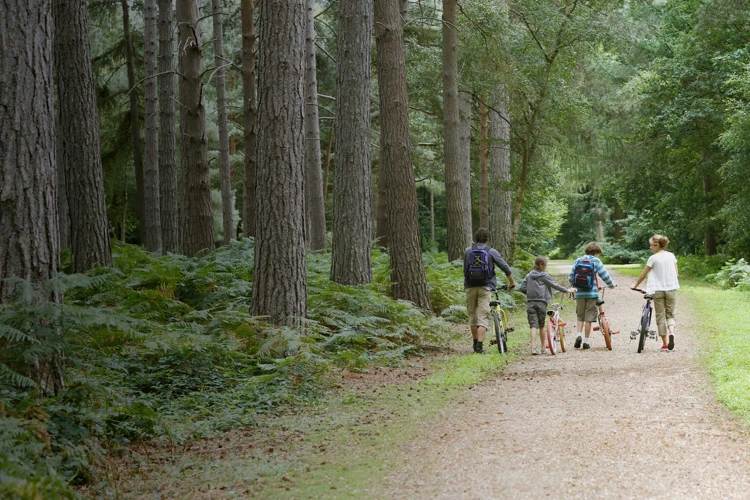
{"points": [[537, 313]]}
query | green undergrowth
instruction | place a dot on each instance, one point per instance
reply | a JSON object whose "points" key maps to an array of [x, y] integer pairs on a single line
{"points": [[720, 315], [342, 448], [163, 349]]}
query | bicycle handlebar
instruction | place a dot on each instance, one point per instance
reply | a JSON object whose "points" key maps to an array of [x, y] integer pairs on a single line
{"points": [[644, 292]]}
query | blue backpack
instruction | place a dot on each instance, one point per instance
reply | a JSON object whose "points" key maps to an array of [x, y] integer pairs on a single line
{"points": [[584, 274], [480, 270]]}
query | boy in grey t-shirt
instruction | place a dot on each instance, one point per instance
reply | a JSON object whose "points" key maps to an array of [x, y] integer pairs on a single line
{"points": [[538, 285]]}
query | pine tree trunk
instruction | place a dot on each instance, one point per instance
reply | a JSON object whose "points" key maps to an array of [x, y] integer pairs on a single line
{"points": [[250, 109], [500, 195], [227, 196], [407, 268], [381, 207], [151, 204], [351, 262], [79, 127], [197, 226], [456, 206], [63, 214], [167, 142], [279, 281], [315, 210], [135, 120], [484, 150], [29, 235], [464, 157], [404, 8]]}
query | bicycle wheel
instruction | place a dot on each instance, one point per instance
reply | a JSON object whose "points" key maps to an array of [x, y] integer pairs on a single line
{"points": [[561, 335], [643, 331], [502, 346], [604, 327], [551, 332]]}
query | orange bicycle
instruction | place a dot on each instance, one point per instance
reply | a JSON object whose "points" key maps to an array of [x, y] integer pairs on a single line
{"points": [[603, 323]]}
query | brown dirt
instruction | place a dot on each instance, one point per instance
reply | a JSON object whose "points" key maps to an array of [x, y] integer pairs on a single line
{"points": [[587, 424]]}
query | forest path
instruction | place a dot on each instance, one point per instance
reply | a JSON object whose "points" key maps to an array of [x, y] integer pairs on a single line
{"points": [[587, 424]]}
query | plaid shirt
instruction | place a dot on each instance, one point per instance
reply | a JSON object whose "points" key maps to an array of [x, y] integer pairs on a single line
{"points": [[582, 293]]}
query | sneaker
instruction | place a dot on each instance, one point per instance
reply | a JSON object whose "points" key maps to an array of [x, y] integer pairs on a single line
{"points": [[587, 346], [479, 349], [671, 342], [664, 349], [534, 351], [577, 345]]}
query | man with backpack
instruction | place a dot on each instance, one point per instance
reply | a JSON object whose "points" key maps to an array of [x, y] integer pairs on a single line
{"points": [[479, 280], [583, 276]]}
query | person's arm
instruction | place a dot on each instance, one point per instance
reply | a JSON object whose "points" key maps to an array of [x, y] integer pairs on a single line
{"points": [[552, 283], [602, 272], [522, 288], [504, 267], [642, 277]]}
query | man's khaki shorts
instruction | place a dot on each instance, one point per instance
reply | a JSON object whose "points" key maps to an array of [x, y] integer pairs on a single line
{"points": [[586, 310], [478, 306]]}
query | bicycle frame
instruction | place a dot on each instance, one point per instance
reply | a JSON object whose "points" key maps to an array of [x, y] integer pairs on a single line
{"points": [[557, 325], [644, 322], [500, 322], [602, 322]]}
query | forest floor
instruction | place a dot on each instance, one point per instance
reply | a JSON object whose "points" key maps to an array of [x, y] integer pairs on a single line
{"points": [[582, 424]]}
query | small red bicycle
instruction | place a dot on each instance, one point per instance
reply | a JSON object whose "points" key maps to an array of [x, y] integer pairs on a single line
{"points": [[603, 323], [555, 328]]}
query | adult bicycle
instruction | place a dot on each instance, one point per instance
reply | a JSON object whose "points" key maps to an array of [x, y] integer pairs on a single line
{"points": [[642, 330], [555, 328], [602, 321], [499, 322]]}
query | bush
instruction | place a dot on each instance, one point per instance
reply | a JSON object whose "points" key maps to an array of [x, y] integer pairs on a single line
{"points": [[733, 275]]}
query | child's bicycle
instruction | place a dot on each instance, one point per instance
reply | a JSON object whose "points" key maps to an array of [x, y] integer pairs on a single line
{"points": [[555, 328], [500, 322], [603, 323], [644, 323]]}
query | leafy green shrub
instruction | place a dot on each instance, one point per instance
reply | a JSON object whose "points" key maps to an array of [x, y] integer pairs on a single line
{"points": [[614, 253], [700, 266], [733, 275]]}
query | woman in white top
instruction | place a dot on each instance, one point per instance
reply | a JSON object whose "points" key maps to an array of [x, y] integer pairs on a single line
{"points": [[661, 270]]}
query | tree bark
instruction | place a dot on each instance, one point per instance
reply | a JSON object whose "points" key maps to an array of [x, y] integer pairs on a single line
{"points": [[351, 262], [484, 150], [458, 209], [197, 226], [29, 234], [79, 120], [227, 196], [500, 195], [381, 207], [404, 9], [710, 232], [315, 210], [167, 142], [407, 268], [151, 204], [135, 120], [279, 281], [464, 159], [63, 214], [250, 109]]}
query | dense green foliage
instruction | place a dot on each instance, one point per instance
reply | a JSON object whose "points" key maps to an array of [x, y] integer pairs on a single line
{"points": [[164, 348]]}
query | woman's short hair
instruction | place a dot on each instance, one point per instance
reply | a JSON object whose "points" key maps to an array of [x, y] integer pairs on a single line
{"points": [[593, 248], [540, 263], [660, 240], [482, 235]]}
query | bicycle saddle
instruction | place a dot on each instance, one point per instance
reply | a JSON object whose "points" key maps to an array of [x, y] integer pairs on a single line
{"points": [[599, 302], [648, 297], [494, 303]]}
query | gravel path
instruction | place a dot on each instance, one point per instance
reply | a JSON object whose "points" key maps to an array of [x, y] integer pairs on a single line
{"points": [[587, 424]]}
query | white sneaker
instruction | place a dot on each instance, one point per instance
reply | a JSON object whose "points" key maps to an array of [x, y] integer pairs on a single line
{"points": [[534, 351]]}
